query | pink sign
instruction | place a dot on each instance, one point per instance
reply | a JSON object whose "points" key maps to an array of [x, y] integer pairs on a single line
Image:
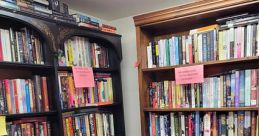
{"points": [[190, 74], [83, 77]]}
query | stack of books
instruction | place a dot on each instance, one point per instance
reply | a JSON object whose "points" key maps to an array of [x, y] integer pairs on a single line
{"points": [[72, 97], [108, 28], [41, 7], [242, 123], [78, 51], [11, 4], [236, 89], [91, 124], [87, 21]]}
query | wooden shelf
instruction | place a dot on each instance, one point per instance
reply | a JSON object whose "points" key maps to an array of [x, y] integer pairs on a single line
{"points": [[14, 65], [34, 114], [210, 63], [64, 68], [91, 107], [202, 109]]}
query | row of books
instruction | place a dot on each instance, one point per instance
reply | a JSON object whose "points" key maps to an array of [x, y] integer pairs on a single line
{"points": [[38, 126], [72, 97], [23, 46], [24, 95], [78, 51], [92, 124], [243, 123], [205, 44], [236, 89]]}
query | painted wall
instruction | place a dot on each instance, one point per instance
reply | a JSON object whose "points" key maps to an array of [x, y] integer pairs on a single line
{"points": [[129, 74]]}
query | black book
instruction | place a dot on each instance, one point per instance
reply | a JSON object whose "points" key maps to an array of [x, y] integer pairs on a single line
{"points": [[180, 50]]}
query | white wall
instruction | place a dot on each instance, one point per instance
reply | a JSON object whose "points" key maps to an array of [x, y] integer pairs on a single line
{"points": [[129, 75]]}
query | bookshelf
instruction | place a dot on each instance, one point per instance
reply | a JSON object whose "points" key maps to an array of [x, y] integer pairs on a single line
{"points": [[54, 34], [178, 21]]}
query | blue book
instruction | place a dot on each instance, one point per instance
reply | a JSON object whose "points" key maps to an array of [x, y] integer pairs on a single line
{"points": [[233, 88], [242, 88], [237, 91], [204, 47], [23, 90], [150, 124], [167, 125], [247, 87], [171, 52], [12, 96], [157, 119], [197, 123], [28, 103], [177, 61]]}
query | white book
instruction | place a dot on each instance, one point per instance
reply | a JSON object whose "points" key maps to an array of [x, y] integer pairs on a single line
{"points": [[149, 56], [224, 44], [8, 46], [166, 94], [3, 44], [207, 125], [193, 95], [111, 125], [218, 87], [215, 44], [242, 40], [247, 87], [160, 53], [249, 41], [97, 52], [188, 43], [172, 124], [200, 47], [171, 52], [45, 2], [162, 126], [221, 91], [19, 94], [163, 53]]}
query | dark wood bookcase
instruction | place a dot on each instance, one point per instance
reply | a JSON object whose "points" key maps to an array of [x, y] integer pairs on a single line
{"points": [[55, 33], [179, 20]]}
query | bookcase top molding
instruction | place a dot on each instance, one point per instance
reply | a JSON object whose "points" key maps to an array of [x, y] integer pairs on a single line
{"points": [[200, 7]]}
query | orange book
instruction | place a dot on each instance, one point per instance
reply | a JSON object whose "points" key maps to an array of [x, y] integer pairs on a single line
{"points": [[153, 125], [28, 129], [45, 128], [170, 94], [71, 126], [71, 92], [44, 89], [15, 95], [8, 96]]}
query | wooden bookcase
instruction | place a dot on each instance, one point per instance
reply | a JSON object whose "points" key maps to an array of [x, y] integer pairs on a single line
{"points": [[179, 20], [55, 33]]}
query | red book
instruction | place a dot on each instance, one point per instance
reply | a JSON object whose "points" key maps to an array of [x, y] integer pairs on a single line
{"points": [[190, 127], [28, 129], [170, 93], [190, 54], [45, 128], [153, 125], [71, 126], [44, 89], [15, 95], [1, 49], [37, 129], [253, 88], [253, 124], [8, 96]]}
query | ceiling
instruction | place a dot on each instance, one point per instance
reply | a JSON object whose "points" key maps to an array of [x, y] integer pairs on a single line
{"points": [[115, 9]]}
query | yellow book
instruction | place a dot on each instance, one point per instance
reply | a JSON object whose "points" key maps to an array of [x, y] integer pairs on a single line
{"points": [[204, 29], [67, 127], [87, 125], [220, 45], [71, 91], [195, 44], [173, 94], [178, 96], [110, 89], [70, 53]]}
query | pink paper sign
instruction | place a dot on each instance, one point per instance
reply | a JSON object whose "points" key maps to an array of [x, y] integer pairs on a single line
{"points": [[190, 74], [83, 77]]}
